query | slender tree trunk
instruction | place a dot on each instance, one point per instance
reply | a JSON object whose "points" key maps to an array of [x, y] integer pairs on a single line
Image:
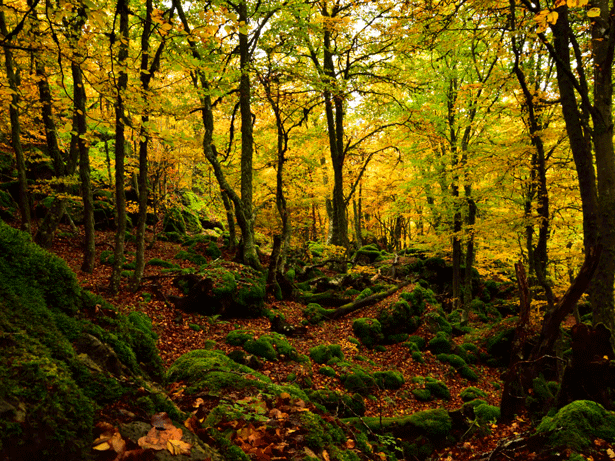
{"points": [[46, 230], [120, 152], [79, 96], [250, 256], [13, 79], [603, 44], [230, 219]]}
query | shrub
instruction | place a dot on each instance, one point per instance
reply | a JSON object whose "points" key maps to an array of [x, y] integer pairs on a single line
{"points": [[368, 331]]}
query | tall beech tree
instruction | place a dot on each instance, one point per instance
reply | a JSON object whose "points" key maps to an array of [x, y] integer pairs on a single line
{"points": [[586, 96]]}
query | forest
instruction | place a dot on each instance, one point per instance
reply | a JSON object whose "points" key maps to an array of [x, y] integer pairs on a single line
{"points": [[307, 230]]}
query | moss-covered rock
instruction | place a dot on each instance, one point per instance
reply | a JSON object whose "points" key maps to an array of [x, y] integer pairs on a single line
{"points": [[471, 393], [359, 381], [396, 319], [325, 352], [389, 379], [368, 331], [339, 404], [578, 424], [239, 337], [315, 313], [486, 414], [436, 322], [261, 347], [437, 388], [440, 344], [56, 367], [419, 297]]}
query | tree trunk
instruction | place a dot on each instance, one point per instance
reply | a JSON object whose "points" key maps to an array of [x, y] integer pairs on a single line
{"points": [[13, 79], [120, 152]]}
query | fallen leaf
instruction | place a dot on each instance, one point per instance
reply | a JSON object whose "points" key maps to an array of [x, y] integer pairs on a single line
{"points": [[177, 447], [102, 446], [350, 443], [610, 453], [325, 455]]}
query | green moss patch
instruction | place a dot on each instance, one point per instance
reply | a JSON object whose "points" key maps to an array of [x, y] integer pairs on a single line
{"points": [[368, 331], [578, 424]]}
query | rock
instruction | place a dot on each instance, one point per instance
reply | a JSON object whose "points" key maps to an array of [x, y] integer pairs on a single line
{"points": [[200, 450], [100, 354]]}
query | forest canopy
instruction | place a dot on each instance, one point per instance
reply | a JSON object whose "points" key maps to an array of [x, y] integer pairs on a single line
{"points": [[480, 129]]}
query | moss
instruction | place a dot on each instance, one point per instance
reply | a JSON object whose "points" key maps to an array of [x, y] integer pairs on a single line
{"points": [[41, 374], [437, 322], [339, 404], [324, 353], [486, 414], [281, 344], [239, 337], [397, 319], [359, 381], [577, 425], [418, 357], [424, 395], [418, 340], [419, 297], [440, 344], [315, 314], [472, 404], [261, 347], [367, 292], [471, 393], [327, 371], [437, 388], [368, 331], [389, 379], [468, 373], [434, 423]]}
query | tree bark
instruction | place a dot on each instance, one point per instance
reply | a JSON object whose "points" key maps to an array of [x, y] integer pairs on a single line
{"points": [[369, 301], [120, 150], [13, 79]]}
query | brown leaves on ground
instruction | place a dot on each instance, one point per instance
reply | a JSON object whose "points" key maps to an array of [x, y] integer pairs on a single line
{"points": [[163, 435]]}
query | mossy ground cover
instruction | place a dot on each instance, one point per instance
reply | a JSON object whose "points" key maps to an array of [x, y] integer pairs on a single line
{"points": [[50, 387], [176, 337]]}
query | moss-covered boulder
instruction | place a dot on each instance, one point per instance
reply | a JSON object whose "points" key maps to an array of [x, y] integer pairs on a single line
{"points": [[440, 344], [314, 313], [339, 404], [397, 319], [419, 297], [359, 381], [225, 288], [56, 367], [578, 424], [325, 352], [471, 393], [389, 379], [368, 331]]}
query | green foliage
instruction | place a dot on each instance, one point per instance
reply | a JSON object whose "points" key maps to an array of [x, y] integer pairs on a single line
{"points": [[325, 352], [368, 331], [418, 357], [578, 424]]}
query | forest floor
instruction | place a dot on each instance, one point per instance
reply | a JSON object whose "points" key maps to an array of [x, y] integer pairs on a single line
{"points": [[177, 336]]}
